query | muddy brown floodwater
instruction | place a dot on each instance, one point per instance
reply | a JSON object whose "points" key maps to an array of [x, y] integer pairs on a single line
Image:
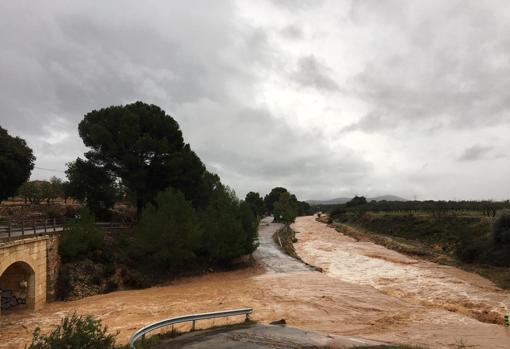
{"points": [[365, 291]]}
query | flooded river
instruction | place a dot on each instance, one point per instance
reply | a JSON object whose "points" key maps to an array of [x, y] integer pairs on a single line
{"points": [[365, 291]]}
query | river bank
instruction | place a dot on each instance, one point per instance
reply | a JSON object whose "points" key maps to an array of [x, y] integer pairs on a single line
{"points": [[349, 298]]}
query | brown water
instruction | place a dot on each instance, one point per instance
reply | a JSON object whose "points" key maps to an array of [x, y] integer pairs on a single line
{"points": [[365, 291]]}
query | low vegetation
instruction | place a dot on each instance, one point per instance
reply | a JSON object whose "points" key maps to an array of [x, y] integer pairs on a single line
{"points": [[80, 238], [473, 240], [84, 332]]}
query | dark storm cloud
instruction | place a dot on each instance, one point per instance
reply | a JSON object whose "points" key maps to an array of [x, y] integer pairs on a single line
{"points": [[310, 72], [476, 152]]}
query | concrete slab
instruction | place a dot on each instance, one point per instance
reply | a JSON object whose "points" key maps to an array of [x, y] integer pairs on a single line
{"points": [[261, 337]]}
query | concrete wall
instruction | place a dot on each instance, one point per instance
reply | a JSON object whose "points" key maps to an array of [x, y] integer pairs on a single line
{"points": [[33, 254], [52, 267]]}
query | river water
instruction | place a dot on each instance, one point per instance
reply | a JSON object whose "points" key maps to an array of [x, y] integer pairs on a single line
{"points": [[365, 291]]}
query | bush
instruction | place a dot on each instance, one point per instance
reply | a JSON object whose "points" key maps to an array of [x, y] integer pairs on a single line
{"points": [[337, 212], [501, 228], [285, 209], [472, 251], [75, 331], [169, 231], [80, 238], [250, 226], [229, 228]]}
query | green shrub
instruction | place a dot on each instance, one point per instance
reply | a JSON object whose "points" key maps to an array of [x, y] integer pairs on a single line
{"points": [[168, 233], [75, 331], [471, 251], [250, 225], [337, 212], [501, 228], [230, 229], [80, 238], [285, 209], [223, 237]]}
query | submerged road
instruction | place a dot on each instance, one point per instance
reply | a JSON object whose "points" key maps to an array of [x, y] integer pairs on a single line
{"points": [[270, 256]]}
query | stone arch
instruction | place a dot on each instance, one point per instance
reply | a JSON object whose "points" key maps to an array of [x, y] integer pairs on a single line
{"points": [[18, 285]]}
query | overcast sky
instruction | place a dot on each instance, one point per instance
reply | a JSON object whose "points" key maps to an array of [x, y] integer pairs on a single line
{"points": [[327, 98]]}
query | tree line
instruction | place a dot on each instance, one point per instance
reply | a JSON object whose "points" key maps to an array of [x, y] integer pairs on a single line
{"points": [[437, 209]]}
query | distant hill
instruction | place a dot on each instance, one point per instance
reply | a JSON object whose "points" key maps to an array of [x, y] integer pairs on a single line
{"points": [[338, 201], [387, 198]]}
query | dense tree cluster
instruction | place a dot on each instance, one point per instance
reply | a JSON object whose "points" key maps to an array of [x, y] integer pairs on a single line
{"points": [[93, 186], [435, 208], [142, 147], [38, 191], [284, 206], [255, 203], [172, 233], [16, 164], [185, 212]]}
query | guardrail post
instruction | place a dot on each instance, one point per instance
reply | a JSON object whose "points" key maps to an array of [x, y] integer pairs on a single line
{"points": [[54, 225], [193, 326], [45, 224], [22, 228]]}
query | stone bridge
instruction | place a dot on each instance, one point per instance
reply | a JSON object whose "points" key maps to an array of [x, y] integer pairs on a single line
{"points": [[28, 272]]}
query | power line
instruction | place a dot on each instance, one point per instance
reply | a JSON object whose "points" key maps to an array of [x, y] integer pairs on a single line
{"points": [[49, 169]]}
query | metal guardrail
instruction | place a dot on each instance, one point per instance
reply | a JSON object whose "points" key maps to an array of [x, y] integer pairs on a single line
{"points": [[16, 229], [185, 318], [22, 228]]}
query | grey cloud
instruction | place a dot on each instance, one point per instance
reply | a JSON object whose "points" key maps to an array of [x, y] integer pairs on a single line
{"points": [[476, 152], [442, 61], [430, 67], [292, 32], [371, 122], [298, 5], [256, 143], [310, 72]]}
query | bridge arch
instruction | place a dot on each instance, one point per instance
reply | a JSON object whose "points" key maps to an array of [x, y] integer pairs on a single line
{"points": [[17, 282], [23, 273]]}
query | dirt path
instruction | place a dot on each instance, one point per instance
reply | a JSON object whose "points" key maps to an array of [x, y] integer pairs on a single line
{"points": [[349, 298]]}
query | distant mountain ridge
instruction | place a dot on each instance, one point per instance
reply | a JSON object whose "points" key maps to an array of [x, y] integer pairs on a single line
{"points": [[338, 201]]}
